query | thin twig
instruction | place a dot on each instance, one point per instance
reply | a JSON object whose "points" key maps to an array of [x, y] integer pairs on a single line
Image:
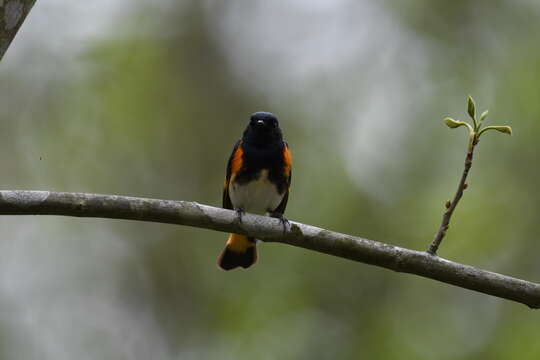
{"points": [[450, 209], [475, 131], [271, 230]]}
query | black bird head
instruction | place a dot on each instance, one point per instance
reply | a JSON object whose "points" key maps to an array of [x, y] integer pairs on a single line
{"points": [[263, 129]]}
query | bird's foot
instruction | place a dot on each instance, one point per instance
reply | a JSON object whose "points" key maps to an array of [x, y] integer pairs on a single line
{"points": [[239, 213], [283, 220]]}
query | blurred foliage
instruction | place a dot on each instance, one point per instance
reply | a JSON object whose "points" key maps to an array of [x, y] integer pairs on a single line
{"points": [[155, 111]]}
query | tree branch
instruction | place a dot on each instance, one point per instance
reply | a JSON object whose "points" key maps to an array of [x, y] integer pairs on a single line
{"points": [[12, 15], [271, 230]]}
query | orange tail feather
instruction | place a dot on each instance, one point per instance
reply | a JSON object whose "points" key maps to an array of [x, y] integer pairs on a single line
{"points": [[239, 251]]}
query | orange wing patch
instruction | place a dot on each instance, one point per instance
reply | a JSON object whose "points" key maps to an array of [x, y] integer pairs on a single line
{"points": [[287, 158], [237, 161]]}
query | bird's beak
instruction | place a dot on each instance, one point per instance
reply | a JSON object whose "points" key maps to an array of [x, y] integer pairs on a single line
{"points": [[260, 123]]}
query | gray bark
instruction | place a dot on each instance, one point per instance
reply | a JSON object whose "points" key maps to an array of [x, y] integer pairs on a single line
{"points": [[271, 230], [12, 15]]}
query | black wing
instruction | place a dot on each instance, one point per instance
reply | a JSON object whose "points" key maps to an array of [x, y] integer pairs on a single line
{"points": [[287, 160], [227, 204], [283, 204]]}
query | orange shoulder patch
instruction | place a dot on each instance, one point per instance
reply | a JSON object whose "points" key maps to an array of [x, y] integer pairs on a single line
{"points": [[287, 159], [237, 160]]}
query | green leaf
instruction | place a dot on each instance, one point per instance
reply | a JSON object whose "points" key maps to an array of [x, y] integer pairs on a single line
{"points": [[452, 124], [471, 107], [484, 115], [503, 129]]}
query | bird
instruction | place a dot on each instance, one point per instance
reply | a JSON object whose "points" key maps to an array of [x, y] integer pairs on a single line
{"points": [[258, 179]]}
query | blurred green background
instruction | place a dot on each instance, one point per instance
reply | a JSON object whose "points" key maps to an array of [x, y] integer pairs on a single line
{"points": [[147, 99]]}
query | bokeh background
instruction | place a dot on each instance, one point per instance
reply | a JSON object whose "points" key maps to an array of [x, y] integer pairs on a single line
{"points": [[147, 98]]}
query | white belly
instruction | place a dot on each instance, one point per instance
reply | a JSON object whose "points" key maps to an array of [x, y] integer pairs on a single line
{"points": [[257, 196]]}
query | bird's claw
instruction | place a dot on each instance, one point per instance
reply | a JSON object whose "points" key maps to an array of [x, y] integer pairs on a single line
{"points": [[239, 213], [283, 220]]}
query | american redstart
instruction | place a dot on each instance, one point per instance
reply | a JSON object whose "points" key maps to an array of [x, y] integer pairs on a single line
{"points": [[257, 181]]}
